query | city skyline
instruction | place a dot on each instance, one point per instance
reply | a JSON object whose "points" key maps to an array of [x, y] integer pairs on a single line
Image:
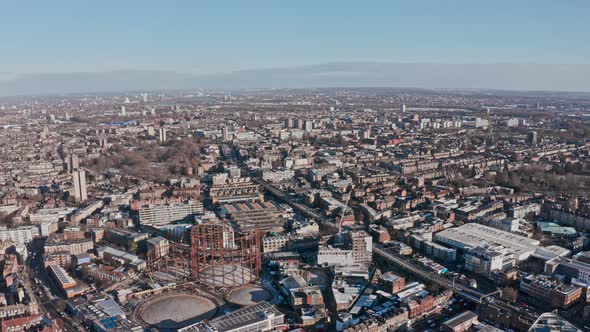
{"points": [[498, 77], [338, 166]]}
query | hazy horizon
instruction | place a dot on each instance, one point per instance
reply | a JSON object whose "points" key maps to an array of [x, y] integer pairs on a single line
{"points": [[69, 46], [517, 77]]}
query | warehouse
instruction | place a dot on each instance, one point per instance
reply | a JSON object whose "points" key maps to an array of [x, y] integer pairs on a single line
{"points": [[475, 235]]}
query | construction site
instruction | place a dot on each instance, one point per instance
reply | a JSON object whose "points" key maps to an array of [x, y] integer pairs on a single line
{"points": [[216, 272]]}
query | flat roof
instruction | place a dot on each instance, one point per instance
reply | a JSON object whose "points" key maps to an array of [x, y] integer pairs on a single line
{"points": [[474, 235], [61, 275], [460, 319], [245, 316]]}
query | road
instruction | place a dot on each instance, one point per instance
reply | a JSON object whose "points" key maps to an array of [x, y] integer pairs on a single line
{"points": [[468, 293], [47, 294]]}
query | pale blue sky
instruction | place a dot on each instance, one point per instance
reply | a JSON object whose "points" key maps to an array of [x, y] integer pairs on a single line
{"points": [[219, 36]]}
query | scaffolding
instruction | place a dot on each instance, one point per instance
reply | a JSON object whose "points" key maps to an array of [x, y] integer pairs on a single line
{"points": [[222, 257]]}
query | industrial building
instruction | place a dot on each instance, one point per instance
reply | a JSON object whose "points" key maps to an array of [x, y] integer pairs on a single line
{"points": [[475, 235], [259, 317], [266, 216], [228, 190]]}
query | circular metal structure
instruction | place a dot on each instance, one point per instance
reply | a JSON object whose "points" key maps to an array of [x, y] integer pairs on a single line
{"points": [[248, 295], [172, 311], [222, 257], [226, 275]]}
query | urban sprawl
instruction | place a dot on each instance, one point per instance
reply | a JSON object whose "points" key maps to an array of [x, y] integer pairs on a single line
{"points": [[365, 210]]}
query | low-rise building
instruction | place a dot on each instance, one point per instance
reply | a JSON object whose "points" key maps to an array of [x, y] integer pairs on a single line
{"points": [[261, 317], [461, 322], [551, 292]]}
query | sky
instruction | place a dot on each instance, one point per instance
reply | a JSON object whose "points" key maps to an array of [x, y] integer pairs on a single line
{"points": [[203, 37]]}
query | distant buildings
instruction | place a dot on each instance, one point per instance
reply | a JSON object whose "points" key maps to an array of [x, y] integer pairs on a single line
{"points": [[532, 138], [162, 134], [459, 198]]}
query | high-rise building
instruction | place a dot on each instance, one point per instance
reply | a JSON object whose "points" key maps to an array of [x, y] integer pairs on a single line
{"points": [[288, 123], [299, 123], [225, 134], [532, 138], [403, 108], [361, 245], [308, 125], [79, 183], [162, 132], [151, 131], [103, 142], [123, 111], [72, 162]]}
